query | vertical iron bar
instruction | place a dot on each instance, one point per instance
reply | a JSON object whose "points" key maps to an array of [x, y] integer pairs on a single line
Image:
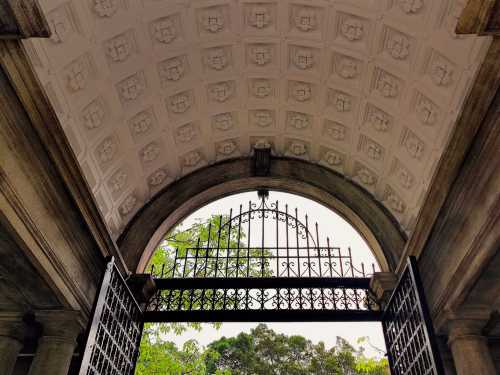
{"points": [[208, 247], [356, 297], [277, 242], [329, 256], [319, 251], [238, 245], [297, 239], [248, 242], [185, 263], [218, 246], [229, 239], [263, 236], [307, 244], [196, 257], [287, 242], [175, 261]]}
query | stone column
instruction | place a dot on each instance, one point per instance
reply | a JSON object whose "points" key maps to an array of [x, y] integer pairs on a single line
{"points": [[57, 343], [12, 331], [469, 348]]}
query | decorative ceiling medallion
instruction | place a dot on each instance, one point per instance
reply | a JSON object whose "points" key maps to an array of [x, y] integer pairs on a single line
{"points": [[263, 118], [60, 24], [333, 158], [165, 30], [387, 85], [394, 201], [303, 58], [226, 148], [346, 67], [441, 71], [191, 159], [158, 177], [223, 121], [186, 133], [212, 20], [427, 112], [141, 123], [180, 103], [259, 17], [398, 46], [128, 205], [118, 49], [372, 149], [261, 88], [352, 29], [216, 58], [261, 54], [172, 69], [340, 101], [78, 75], [221, 91], [378, 119], [366, 176], [298, 120], [118, 181], [93, 114], [410, 6], [131, 88], [403, 175], [301, 91], [414, 145], [335, 131], [150, 152], [297, 148], [105, 8], [107, 150], [305, 19]]}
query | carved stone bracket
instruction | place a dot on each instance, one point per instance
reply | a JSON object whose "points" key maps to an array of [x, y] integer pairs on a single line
{"points": [[382, 284]]}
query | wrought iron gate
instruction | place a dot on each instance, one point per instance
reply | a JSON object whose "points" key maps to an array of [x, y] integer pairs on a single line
{"points": [[115, 331], [408, 330], [232, 273], [263, 264]]}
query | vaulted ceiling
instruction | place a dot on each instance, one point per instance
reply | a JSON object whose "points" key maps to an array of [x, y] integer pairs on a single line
{"points": [[148, 91]]}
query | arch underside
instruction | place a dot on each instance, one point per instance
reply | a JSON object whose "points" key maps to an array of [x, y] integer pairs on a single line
{"points": [[150, 91], [375, 224]]}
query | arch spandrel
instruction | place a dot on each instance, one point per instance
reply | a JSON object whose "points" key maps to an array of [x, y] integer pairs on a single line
{"points": [[150, 91], [372, 220]]}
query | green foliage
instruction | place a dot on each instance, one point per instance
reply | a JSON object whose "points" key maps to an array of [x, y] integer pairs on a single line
{"points": [[265, 352]]}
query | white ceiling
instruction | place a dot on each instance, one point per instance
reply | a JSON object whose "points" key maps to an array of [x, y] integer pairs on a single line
{"points": [[150, 90]]}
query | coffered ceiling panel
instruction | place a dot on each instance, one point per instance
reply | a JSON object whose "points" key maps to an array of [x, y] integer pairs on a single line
{"points": [[148, 91]]}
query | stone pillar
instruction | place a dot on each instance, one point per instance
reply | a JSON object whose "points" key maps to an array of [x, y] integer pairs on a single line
{"points": [[469, 348], [57, 343], [12, 331], [381, 285]]}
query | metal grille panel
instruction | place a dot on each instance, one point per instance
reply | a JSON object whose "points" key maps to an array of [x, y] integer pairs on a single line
{"points": [[115, 332], [408, 330]]}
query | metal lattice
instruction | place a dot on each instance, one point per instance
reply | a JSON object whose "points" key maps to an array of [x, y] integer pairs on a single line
{"points": [[262, 264], [113, 341], [408, 329]]}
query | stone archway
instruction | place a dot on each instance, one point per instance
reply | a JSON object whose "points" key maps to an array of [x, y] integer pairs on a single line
{"points": [[167, 208]]}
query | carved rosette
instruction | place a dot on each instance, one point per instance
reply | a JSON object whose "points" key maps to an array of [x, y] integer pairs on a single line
{"points": [[223, 121], [165, 30], [259, 17], [263, 118]]}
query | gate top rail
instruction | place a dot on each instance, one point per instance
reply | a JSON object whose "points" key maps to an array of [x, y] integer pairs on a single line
{"points": [[263, 240]]}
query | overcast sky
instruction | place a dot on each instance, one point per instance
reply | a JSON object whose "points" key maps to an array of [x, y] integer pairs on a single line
{"points": [[340, 233]]}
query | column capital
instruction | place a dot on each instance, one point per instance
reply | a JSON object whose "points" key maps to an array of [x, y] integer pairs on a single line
{"points": [[60, 324], [467, 323], [12, 325]]}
